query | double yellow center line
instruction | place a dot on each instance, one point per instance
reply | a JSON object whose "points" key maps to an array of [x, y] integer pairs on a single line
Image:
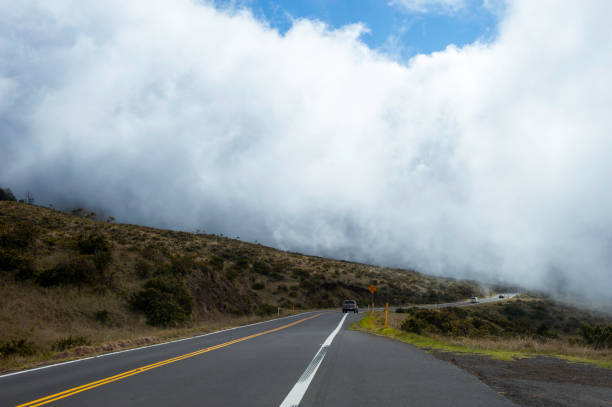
{"points": [[89, 386]]}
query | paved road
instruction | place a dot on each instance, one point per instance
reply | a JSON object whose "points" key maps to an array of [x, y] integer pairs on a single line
{"points": [[468, 303], [309, 359]]}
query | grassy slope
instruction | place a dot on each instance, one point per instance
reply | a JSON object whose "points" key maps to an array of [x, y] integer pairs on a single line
{"points": [[508, 337], [229, 282]]}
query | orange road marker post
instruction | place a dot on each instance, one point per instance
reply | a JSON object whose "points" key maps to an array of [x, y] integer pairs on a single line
{"points": [[386, 312]]}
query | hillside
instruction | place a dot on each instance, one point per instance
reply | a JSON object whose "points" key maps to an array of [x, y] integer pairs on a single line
{"points": [[69, 281]]}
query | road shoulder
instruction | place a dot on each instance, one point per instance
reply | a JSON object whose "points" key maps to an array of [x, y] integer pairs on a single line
{"points": [[539, 381]]}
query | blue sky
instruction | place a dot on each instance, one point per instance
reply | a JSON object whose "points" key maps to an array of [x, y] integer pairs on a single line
{"points": [[393, 28]]}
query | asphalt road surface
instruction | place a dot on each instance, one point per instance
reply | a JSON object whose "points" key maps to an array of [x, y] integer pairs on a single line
{"points": [[468, 303], [309, 359]]}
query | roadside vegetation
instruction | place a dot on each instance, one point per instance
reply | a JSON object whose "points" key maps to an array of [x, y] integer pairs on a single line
{"points": [[508, 330], [71, 285]]}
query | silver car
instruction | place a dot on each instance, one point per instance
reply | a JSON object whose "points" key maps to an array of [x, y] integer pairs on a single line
{"points": [[350, 306]]}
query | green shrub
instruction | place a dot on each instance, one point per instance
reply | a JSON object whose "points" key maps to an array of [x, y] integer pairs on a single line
{"points": [[598, 336], [513, 310], [232, 274], [266, 309], [76, 270], [70, 342], [19, 347], [300, 274], [181, 266], [165, 302], [143, 268], [13, 261], [102, 316], [262, 268], [242, 263], [19, 235], [413, 325], [446, 321], [216, 263], [92, 243], [102, 260]]}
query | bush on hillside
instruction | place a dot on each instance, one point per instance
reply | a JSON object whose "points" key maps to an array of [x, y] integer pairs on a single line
{"points": [[19, 347], [92, 243], [165, 302], [538, 319], [70, 342], [448, 321], [102, 260], [102, 316], [75, 271], [13, 261], [181, 266], [19, 235], [242, 263], [598, 336], [143, 268], [266, 309], [216, 263]]}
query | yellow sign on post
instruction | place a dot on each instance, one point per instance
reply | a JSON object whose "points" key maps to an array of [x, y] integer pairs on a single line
{"points": [[371, 289], [386, 312]]}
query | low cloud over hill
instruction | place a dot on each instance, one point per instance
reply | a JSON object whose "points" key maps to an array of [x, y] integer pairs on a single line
{"points": [[491, 160]]}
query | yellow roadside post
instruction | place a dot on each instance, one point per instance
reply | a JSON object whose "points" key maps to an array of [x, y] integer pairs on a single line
{"points": [[371, 289], [292, 308], [386, 312]]}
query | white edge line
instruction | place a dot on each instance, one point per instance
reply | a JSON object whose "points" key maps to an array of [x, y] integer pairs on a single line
{"points": [[299, 389], [149, 346]]}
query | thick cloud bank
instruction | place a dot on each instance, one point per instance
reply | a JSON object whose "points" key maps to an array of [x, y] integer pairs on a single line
{"points": [[491, 160]]}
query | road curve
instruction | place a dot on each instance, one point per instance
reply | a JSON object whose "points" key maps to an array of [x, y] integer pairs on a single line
{"points": [[258, 365], [469, 303]]}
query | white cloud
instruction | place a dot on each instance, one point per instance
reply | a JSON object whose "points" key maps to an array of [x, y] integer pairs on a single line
{"points": [[425, 6], [491, 159]]}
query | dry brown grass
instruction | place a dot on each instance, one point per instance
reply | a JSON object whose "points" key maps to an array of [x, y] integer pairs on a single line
{"points": [[532, 346]]}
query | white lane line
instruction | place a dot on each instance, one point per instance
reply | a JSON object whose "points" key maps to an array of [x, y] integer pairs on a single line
{"points": [[149, 346], [294, 397]]}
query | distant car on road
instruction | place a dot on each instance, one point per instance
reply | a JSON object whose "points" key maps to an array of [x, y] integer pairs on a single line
{"points": [[502, 296], [350, 306], [474, 300]]}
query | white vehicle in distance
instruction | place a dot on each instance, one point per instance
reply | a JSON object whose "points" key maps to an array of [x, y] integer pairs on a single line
{"points": [[474, 300]]}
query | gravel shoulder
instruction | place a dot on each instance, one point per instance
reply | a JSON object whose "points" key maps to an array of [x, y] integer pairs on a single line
{"points": [[539, 381]]}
